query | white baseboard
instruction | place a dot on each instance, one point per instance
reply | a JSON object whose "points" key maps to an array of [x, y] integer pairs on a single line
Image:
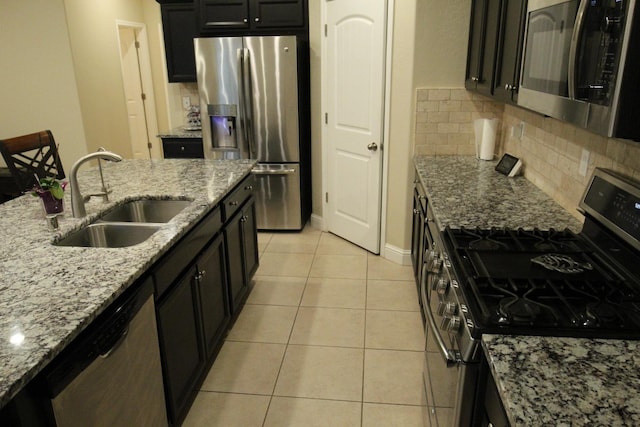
{"points": [[397, 255], [317, 221]]}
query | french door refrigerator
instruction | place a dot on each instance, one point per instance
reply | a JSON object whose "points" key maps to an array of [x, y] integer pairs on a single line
{"points": [[250, 108]]}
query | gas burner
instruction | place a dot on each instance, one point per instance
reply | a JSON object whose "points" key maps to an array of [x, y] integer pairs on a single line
{"points": [[598, 314], [517, 310], [561, 263]]}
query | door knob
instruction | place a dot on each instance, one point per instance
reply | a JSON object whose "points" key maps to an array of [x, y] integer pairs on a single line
{"points": [[372, 147]]}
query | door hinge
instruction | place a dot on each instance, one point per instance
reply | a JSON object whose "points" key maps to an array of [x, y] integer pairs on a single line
{"points": [[149, 145], [137, 44], [326, 197], [326, 118], [325, 30], [143, 96]]}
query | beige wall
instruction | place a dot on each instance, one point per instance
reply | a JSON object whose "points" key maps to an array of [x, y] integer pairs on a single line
{"points": [[36, 76], [96, 56]]}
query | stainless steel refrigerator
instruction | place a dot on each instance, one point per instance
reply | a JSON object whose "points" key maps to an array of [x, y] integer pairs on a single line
{"points": [[250, 106]]}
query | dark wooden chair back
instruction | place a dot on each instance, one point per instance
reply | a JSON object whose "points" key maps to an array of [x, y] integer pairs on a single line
{"points": [[30, 155]]}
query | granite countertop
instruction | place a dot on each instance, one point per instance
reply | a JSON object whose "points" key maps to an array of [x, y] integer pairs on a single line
{"points": [[566, 381], [49, 294], [541, 380], [181, 132], [466, 192]]}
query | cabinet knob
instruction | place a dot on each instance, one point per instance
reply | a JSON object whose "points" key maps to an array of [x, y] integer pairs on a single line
{"points": [[257, 19], [234, 203], [475, 79], [182, 148], [249, 187], [245, 20], [243, 219], [510, 87]]}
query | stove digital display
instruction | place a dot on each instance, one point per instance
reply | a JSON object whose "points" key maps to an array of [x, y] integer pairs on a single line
{"points": [[616, 205]]}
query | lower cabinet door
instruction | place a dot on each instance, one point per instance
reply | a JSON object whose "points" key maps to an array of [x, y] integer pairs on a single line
{"points": [[214, 302], [181, 349], [235, 263], [249, 239]]}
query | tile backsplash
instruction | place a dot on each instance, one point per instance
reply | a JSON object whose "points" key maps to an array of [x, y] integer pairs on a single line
{"points": [[551, 150]]}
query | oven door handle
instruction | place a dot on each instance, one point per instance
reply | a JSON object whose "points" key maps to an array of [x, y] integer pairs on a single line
{"points": [[448, 355]]}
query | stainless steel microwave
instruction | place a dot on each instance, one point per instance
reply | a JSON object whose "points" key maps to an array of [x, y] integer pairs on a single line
{"points": [[581, 64]]}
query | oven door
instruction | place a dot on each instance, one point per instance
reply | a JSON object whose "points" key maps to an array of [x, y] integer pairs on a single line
{"points": [[448, 381]]}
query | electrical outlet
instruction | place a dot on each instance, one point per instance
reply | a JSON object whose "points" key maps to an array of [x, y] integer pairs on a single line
{"points": [[186, 102], [584, 162], [517, 131]]}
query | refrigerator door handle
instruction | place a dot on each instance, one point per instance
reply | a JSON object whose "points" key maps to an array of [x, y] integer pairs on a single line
{"points": [[246, 97], [273, 171]]}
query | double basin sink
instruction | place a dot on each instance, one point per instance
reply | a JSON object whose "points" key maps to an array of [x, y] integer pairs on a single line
{"points": [[125, 225]]}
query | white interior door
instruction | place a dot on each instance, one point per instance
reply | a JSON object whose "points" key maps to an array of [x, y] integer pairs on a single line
{"points": [[138, 93], [354, 104]]}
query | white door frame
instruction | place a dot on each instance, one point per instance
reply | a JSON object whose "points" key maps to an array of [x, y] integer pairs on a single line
{"points": [[386, 131], [147, 83]]}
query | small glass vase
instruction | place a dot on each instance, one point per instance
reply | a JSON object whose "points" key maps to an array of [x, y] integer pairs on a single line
{"points": [[50, 204]]}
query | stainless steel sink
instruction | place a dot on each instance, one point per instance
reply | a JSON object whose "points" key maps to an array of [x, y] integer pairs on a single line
{"points": [[146, 210], [109, 235]]}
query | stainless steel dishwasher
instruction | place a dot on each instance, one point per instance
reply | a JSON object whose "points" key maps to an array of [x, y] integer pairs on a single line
{"points": [[111, 374]]}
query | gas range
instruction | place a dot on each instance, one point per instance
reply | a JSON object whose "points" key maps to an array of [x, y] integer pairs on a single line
{"points": [[541, 282]]}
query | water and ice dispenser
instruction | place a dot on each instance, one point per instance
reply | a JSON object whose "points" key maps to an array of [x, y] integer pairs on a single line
{"points": [[224, 138]]}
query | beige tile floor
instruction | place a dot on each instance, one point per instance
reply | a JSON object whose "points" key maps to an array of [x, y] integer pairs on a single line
{"points": [[330, 336]]}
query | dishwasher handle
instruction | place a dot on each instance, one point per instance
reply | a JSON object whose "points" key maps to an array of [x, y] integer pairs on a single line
{"points": [[110, 349], [273, 171]]}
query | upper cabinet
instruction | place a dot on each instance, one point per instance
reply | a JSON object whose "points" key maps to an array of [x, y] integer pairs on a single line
{"points": [[224, 16], [179, 28], [494, 52], [509, 53]]}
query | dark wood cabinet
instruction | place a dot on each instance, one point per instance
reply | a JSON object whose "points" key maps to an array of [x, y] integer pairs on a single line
{"points": [[218, 16], [241, 246], [180, 344], [495, 47], [212, 290], [418, 232], [507, 74], [182, 148], [483, 41], [179, 26]]}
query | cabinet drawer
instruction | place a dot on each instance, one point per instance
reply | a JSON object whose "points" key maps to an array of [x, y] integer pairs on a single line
{"points": [[182, 148], [182, 256], [237, 197]]}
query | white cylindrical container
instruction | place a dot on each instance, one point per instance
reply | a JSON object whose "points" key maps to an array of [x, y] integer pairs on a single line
{"points": [[485, 130]]}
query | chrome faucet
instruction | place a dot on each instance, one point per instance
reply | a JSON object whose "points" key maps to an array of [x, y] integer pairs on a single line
{"points": [[77, 201]]}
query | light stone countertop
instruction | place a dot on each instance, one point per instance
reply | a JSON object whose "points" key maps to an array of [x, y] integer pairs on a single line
{"points": [[180, 132], [466, 192], [541, 380], [545, 381], [49, 294]]}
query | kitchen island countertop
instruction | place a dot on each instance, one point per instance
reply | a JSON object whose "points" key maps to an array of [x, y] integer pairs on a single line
{"points": [[49, 294], [540, 380]]}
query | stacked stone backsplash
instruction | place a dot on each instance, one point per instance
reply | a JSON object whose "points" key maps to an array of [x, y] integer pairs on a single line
{"points": [[444, 120], [551, 150]]}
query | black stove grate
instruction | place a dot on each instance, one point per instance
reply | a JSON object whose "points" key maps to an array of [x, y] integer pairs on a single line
{"points": [[509, 291]]}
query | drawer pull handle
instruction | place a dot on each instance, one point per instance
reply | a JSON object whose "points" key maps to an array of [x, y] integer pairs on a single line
{"points": [[249, 187], [234, 203]]}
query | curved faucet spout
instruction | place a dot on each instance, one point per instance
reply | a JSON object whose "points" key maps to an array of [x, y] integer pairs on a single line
{"points": [[77, 201]]}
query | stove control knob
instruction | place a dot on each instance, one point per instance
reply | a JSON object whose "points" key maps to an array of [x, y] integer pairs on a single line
{"points": [[436, 264], [450, 309], [442, 287], [454, 324]]}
